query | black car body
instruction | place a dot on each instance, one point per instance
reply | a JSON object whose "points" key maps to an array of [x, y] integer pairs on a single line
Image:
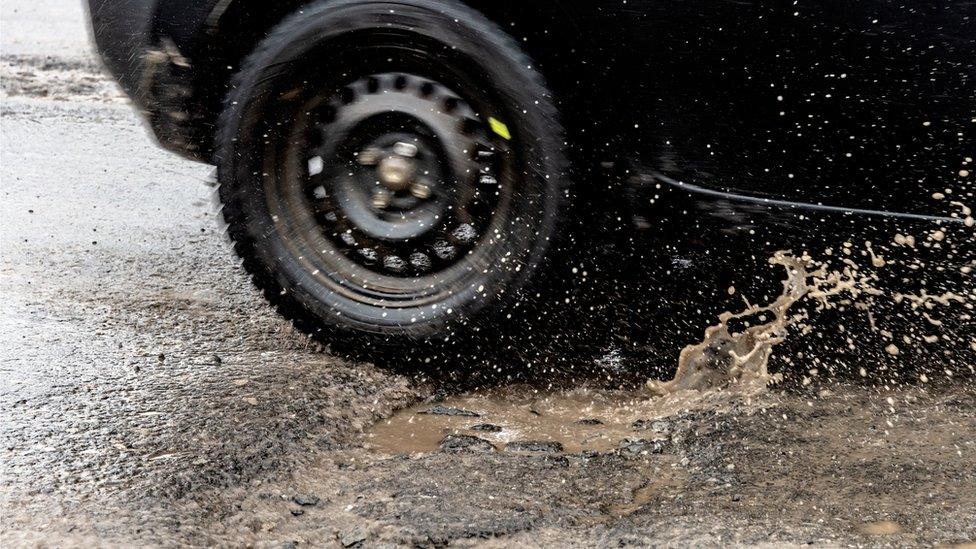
{"points": [[746, 107], [812, 102]]}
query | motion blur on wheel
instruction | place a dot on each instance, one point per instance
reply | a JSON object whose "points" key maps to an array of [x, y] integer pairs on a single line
{"points": [[393, 171], [398, 170]]}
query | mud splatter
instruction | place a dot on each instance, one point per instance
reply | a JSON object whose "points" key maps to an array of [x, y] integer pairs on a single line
{"points": [[740, 357], [47, 77]]}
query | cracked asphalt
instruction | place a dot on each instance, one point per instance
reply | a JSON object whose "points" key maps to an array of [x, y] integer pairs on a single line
{"points": [[149, 396]]}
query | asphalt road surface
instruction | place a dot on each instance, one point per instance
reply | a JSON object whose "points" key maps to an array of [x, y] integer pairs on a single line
{"points": [[148, 395]]}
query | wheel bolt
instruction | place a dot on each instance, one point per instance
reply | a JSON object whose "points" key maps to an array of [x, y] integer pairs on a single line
{"points": [[420, 189], [368, 157], [381, 199], [405, 149]]}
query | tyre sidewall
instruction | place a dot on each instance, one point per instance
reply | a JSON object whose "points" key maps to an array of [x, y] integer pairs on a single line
{"points": [[529, 113]]}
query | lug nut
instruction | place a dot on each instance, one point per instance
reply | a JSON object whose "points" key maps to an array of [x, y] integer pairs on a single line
{"points": [[381, 199], [368, 157], [420, 189], [405, 149]]}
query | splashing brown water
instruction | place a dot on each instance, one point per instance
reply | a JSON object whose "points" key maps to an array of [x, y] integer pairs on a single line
{"points": [[728, 357], [734, 354], [602, 420]]}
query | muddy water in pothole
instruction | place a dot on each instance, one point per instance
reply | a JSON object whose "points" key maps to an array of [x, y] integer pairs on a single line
{"points": [[524, 419], [732, 358]]}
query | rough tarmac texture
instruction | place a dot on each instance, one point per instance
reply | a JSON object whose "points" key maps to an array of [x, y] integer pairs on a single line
{"points": [[149, 396]]}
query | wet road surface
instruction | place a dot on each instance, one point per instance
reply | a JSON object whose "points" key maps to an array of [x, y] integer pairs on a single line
{"points": [[148, 395]]}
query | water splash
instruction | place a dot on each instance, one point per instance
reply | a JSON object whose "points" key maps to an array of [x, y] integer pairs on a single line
{"points": [[729, 357]]}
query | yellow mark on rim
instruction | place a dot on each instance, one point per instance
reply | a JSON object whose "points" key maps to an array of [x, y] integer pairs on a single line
{"points": [[499, 127]]}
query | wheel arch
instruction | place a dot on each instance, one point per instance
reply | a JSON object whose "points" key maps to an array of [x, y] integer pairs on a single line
{"points": [[219, 34]]}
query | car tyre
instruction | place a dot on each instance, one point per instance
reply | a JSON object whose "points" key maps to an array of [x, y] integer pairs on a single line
{"points": [[331, 130]]}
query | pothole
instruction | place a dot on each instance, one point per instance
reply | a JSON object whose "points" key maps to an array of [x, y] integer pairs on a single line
{"points": [[732, 359], [524, 419]]}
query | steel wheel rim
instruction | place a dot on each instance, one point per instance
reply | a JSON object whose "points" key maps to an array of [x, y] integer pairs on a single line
{"points": [[411, 282]]}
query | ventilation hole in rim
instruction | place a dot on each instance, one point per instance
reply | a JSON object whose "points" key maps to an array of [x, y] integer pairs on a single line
{"points": [[420, 261], [368, 254], [327, 114], [394, 263], [443, 249], [426, 89], [315, 139], [451, 104], [372, 84], [400, 82], [468, 126]]}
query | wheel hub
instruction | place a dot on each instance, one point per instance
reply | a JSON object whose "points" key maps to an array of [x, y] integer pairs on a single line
{"points": [[396, 170], [395, 173], [409, 178]]}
